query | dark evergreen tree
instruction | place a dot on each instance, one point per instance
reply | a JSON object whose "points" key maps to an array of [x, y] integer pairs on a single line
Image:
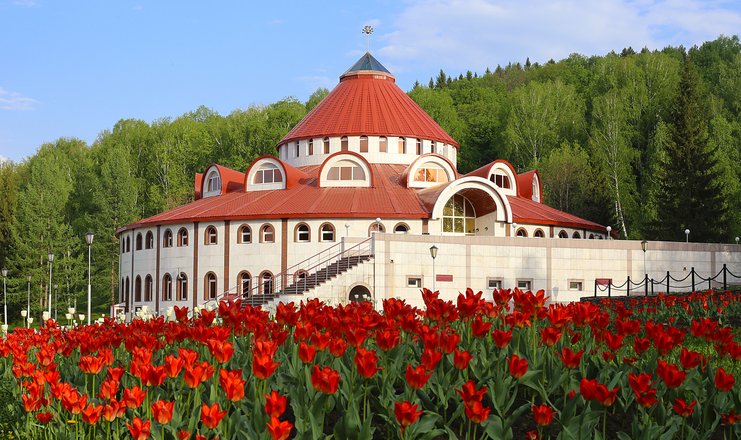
{"points": [[442, 80], [690, 194]]}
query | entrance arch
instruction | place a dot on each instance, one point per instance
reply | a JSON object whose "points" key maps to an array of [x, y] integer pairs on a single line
{"points": [[359, 293]]}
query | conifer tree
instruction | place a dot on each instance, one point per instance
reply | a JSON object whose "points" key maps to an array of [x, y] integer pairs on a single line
{"points": [[690, 195]]}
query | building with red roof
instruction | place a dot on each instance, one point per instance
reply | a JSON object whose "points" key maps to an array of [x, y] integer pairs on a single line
{"points": [[366, 165]]}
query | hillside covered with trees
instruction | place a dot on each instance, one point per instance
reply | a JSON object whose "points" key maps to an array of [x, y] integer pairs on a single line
{"points": [[648, 142]]}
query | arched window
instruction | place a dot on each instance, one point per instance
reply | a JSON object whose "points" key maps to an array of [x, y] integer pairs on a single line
{"points": [[459, 216], [213, 182], [501, 180], [344, 146], [521, 232], [433, 147], [363, 144], [539, 233], [311, 147], [149, 240], [402, 143], [139, 241], [182, 287], [382, 144], [138, 289], [591, 236], [268, 173], [210, 236], [419, 147], [167, 239], [326, 232], [302, 233], [431, 172], [123, 246], [401, 228], [346, 170], [536, 189], [245, 234], [267, 234], [121, 291], [167, 287], [128, 244], [576, 235], [127, 291], [563, 234], [376, 227], [209, 286], [298, 149], [325, 142], [148, 288], [266, 278], [182, 237], [244, 283]]}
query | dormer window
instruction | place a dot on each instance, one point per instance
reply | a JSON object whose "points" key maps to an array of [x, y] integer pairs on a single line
{"points": [[346, 170], [268, 173], [430, 172], [213, 182], [536, 189], [501, 180]]}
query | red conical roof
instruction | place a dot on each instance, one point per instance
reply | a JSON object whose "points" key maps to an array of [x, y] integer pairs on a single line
{"points": [[367, 102]]}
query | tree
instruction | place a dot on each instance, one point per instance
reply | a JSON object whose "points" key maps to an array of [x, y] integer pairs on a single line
{"points": [[691, 192], [317, 97], [566, 174], [8, 201]]}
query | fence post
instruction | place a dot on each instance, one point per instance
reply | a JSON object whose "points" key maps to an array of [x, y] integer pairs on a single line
{"points": [[710, 285], [628, 284], [645, 284], [609, 289], [725, 271], [667, 282], [652, 287], [693, 278], [595, 288]]}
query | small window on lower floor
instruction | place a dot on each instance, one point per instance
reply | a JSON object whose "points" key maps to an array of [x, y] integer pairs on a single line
{"points": [[414, 281], [493, 283], [576, 284], [524, 284]]}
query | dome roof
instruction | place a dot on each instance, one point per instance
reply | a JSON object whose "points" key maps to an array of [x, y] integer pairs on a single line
{"points": [[368, 102]]}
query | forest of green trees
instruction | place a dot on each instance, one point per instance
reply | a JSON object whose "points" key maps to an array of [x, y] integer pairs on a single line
{"points": [[648, 142]]}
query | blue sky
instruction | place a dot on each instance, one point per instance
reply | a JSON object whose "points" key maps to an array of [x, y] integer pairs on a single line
{"points": [[74, 68]]}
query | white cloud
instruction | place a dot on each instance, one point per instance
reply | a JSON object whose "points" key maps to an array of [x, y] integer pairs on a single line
{"points": [[15, 101], [477, 34], [26, 3], [3, 159]]}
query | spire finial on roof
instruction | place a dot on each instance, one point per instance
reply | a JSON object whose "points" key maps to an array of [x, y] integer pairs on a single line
{"points": [[367, 30]]}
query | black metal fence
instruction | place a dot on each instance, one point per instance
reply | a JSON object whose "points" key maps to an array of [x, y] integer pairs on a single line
{"points": [[691, 282]]}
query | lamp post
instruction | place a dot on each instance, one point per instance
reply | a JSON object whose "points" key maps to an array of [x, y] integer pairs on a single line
{"points": [[737, 239], [609, 230], [89, 239], [5, 298], [347, 229], [56, 300], [433, 254], [51, 260], [514, 229], [28, 301], [686, 235], [644, 246]]}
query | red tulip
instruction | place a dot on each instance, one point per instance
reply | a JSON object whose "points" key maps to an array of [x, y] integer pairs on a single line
{"points": [[232, 384], [133, 397], [91, 364], [222, 351], [108, 389], [550, 335], [689, 359], [479, 328], [325, 380], [91, 414], [476, 412], [469, 393], [588, 388], [306, 352], [263, 366], [641, 344], [569, 358], [461, 359], [139, 430], [501, 338], [729, 419], [337, 347], [417, 377], [724, 381], [173, 365], [275, 404], [113, 410], [44, 417], [681, 407], [279, 430], [670, 374], [406, 413], [211, 415], [542, 414], [430, 358], [162, 411], [517, 366], [366, 362], [388, 339]]}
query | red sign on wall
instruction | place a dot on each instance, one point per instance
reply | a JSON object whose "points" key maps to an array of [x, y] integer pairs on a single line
{"points": [[444, 278]]}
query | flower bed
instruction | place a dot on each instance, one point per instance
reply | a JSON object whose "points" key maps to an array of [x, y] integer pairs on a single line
{"points": [[655, 367]]}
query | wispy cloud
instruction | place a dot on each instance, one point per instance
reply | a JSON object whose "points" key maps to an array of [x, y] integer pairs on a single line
{"points": [[15, 101], [3, 159], [483, 33], [25, 3], [138, 8]]}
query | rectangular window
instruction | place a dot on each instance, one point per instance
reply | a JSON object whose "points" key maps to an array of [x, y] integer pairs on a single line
{"points": [[524, 284], [414, 281], [297, 149], [311, 147], [419, 147], [493, 283], [363, 144], [576, 285], [401, 145], [382, 144]]}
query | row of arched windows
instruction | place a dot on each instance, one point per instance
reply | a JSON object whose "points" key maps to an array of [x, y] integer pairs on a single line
{"points": [[521, 232], [302, 233], [383, 146]]}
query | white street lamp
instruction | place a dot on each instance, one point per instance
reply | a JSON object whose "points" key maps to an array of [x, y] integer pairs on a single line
{"points": [[644, 246], [5, 297], [687, 235], [56, 300], [433, 254], [609, 230], [347, 229], [28, 301], [89, 239], [514, 229], [51, 260], [737, 239]]}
